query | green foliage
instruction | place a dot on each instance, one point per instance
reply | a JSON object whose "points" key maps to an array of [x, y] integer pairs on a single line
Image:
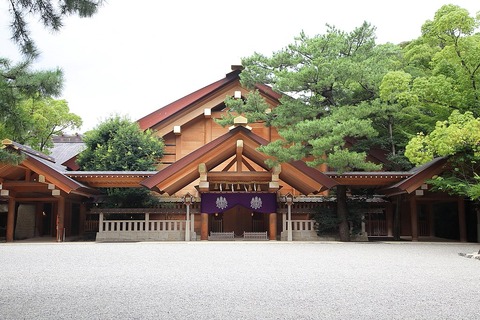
{"points": [[455, 55], [327, 221], [129, 198], [322, 79], [458, 139], [459, 134], [254, 105], [9, 157], [118, 144], [45, 118], [336, 68], [326, 82], [49, 12], [28, 114]]}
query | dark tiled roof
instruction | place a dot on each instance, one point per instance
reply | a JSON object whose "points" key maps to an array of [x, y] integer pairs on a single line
{"points": [[64, 151]]}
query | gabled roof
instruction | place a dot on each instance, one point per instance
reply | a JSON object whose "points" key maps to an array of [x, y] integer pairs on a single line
{"points": [[7, 143], [153, 119], [55, 175], [65, 150], [169, 110], [183, 172], [45, 166]]}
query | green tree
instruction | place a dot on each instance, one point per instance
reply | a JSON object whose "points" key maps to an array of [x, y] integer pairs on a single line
{"points": [[457, 139], [439, 74], [119, 144], [49, 12], [19, 85], [324, 80], [47, 117], [445, 60]]}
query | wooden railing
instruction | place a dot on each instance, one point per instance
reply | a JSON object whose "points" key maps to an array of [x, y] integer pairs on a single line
{"points": [[140, 228], [141, 225], [376, 228], [91, 226], [300, 225]]}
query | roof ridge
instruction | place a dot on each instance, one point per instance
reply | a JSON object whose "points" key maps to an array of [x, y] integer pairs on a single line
{"points": [[7, 143]]}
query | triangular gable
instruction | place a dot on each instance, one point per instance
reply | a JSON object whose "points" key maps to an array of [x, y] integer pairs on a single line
{"points": [[179, 112], [172, 109], [183, 172]]}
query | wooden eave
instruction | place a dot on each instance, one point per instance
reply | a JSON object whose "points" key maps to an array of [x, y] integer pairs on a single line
{"points": [[309, 181], [111, 179], [368, 179], [11, 172], [59, 179], [185, 171], [418, 176]]}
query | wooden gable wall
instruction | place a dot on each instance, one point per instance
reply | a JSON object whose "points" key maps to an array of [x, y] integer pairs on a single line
{"points": [[201, 129]]}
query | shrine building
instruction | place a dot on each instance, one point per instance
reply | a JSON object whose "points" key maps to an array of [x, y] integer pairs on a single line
{"points": [[214, 184]]}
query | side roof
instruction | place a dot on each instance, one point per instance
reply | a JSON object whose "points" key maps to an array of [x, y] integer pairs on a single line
{"points": [[46, 166], [418, 177]]}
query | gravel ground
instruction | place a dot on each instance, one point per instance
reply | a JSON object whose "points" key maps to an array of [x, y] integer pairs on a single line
{"points": [[238, 280]]}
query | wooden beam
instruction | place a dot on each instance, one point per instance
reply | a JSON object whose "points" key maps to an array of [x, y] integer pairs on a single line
{"points": [[194, 111], [248, 165], [229, 165], [239, 155], [249, 176]]}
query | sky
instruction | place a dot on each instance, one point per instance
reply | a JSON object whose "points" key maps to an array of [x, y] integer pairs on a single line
{"points": [[134, 57]]}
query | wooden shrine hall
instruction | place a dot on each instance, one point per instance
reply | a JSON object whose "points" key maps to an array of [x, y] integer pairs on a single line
{"points": [[213, 184]]}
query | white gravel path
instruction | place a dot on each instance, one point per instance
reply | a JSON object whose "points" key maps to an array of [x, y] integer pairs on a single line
{"points": [[238, 280]]}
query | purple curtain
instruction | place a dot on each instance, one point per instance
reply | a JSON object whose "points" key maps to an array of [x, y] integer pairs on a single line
{"points": [[220, 202]]}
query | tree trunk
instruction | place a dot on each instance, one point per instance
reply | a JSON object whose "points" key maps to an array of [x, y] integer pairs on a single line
{"points": [[342, 213]]}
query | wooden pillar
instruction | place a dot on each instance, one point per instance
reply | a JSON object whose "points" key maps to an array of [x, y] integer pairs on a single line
{"points": [[414, 218], [38, 219], [10, 219], [389, 218], [192, 224], [272, 226], [60, 218], [82, 219], [461, 220], [431, 220], [204, 227]]}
